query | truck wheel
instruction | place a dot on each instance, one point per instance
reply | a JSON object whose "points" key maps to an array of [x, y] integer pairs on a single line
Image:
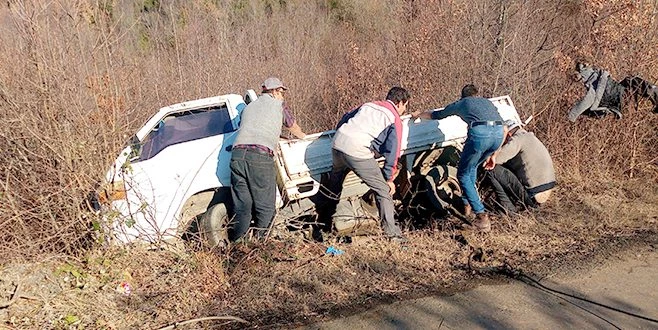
{"points": [[214, 225], [442, 187]]}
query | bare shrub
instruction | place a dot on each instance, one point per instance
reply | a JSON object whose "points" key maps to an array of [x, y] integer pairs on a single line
{"points": [[84, 75]]}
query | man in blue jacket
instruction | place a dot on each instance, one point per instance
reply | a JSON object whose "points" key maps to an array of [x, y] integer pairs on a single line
{"points": [[485, 136], [372, 130]]}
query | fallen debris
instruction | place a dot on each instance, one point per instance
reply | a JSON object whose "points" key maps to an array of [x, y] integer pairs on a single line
{"points": [[14, 297], [334, 251]]}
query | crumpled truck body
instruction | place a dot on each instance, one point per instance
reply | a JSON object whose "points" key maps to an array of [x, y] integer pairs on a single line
{"points": [[177, 166]]}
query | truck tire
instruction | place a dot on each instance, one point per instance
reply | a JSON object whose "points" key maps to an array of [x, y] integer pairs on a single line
{"points": [[442, 187], [214, 226]]}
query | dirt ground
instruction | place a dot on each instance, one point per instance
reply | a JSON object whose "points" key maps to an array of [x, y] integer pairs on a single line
{"points": [[284, 284]]}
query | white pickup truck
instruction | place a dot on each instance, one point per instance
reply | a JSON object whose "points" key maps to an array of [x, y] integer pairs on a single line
{"points": [[175, 177]]}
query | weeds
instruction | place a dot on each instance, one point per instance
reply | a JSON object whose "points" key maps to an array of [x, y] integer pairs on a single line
{"points": [[89, 73], [79, 78]]}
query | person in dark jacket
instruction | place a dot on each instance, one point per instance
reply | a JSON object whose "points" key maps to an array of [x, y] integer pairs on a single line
{"points": [[640, 87], [372, 130], [485, 136]]}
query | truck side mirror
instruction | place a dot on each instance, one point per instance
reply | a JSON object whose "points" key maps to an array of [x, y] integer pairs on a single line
{"points": [[250, 96]]}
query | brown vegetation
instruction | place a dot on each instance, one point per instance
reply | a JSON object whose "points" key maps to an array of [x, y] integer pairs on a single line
{"points": [[80, 76]]}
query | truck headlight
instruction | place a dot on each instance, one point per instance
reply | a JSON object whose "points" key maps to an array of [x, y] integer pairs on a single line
{"points": [[112, 192]]}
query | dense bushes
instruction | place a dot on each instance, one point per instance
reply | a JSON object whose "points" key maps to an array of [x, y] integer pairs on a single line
{"points": [[78, 78]]}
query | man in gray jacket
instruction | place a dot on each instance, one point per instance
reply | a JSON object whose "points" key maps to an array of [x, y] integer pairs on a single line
{"points": [[522, 172], [253, 175], [604, 94]]}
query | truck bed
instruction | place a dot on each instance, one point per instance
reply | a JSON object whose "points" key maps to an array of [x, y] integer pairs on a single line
{"points": [[301, 163]]}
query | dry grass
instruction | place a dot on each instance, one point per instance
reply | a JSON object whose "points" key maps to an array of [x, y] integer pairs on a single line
{"points": [[276, 283], [85, 74]]}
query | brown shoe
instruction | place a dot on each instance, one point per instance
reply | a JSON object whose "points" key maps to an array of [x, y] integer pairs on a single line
{"points": [[482, 222]]}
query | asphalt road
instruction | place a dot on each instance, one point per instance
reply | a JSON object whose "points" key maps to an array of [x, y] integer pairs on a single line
{"points": [[620, 292]]}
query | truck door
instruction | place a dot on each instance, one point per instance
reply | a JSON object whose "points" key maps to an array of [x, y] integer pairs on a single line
{"points": [[184, 147]]}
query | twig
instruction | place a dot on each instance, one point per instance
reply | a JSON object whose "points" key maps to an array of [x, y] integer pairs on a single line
{"points": [[15, 296], [307, 262], [641, 164], [201, 319]]}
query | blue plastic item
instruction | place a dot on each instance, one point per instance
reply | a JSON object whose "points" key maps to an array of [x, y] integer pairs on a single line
{"points": [[334, 251]]}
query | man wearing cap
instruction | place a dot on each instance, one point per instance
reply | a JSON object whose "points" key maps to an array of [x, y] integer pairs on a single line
{"points": [[253, 176], [485, 136], [372, 130], [522, 171]]}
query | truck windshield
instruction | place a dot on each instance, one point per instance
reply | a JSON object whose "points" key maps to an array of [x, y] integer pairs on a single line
{"points": [[184, 127]]}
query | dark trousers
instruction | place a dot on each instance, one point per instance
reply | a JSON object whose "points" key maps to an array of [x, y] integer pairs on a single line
{"points": [[509, 190], [253, 188], [367, 170]]}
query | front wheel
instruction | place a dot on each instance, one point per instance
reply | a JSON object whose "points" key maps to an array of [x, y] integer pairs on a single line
{"points": [[213, 225]]}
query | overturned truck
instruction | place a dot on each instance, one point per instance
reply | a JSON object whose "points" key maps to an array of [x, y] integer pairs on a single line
{"points": [[173, 179]]}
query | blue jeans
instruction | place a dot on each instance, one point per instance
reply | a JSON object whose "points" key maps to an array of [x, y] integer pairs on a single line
{"points": [[481, 142]]}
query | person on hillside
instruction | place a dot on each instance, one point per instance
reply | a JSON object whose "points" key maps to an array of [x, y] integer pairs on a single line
{"points": [[604, 94], [372, 130], [485, 136], [522, 172], [253, 176]]}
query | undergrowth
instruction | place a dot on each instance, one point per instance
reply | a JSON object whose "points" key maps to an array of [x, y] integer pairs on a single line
{"points": [[84, 75]]}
